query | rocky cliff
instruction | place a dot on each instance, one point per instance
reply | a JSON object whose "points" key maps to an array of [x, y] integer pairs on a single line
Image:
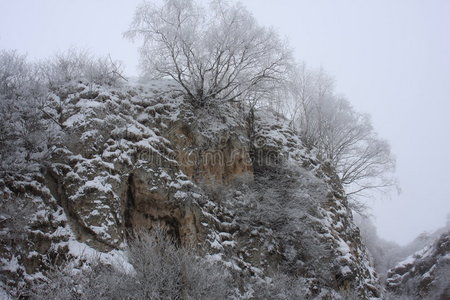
{"points": [[425, 274], [140, 157]]}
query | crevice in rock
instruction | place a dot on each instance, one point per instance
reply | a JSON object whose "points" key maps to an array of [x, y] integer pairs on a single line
{"points": [[145, 208], [172, 228], [129, 205]]}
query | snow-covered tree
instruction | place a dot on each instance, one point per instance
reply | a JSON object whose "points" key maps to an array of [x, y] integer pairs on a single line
{"points": [[25, 134], [217, 52], [341, 135], [74, 64]]}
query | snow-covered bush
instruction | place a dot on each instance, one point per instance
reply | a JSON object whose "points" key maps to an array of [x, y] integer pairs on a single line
{"points": [[80, 65], [96, 281], [26, 132], [15, 212], [279, 195], [284, 199], [161, 270], [166, 271]]}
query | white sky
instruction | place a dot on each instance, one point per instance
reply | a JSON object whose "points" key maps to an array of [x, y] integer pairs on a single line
{"points": [[390, 58]]}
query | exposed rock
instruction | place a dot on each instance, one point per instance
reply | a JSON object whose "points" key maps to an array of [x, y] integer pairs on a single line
{"points": [[425, 274], [347, 260], [135, 158], [211, 151], [146, 209]]}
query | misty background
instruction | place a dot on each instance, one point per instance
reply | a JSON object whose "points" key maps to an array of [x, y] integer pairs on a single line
{"points": [[390, 59]]}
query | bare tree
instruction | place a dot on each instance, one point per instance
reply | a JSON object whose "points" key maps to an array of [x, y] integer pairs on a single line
{"points": [[298, 107], [341, 135], [217, 52]]}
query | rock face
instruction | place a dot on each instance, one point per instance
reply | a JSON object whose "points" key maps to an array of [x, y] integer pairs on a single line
{"points": [[145, 209], [333, 235], [425, 274], [216, 159], [134, 158]]}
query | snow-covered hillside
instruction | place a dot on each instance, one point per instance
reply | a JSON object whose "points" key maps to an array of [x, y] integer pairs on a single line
{"points": [[138, 157], [425, 274]]}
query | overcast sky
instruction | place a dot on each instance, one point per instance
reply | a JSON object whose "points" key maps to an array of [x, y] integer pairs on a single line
{"points": [[391, 59]]}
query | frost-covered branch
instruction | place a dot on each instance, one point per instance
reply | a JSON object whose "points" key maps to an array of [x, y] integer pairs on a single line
{"points": [[341, 135], [215, 53]]}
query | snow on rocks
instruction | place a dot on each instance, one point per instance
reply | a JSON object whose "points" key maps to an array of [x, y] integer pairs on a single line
{"points": [[119, 167], [423, 275]]}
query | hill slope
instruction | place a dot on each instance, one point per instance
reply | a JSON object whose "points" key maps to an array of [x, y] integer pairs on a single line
{"points": [[425, 274], [140, 157]]}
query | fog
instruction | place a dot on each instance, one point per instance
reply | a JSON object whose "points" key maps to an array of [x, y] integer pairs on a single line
{"points": [[389, 59]]}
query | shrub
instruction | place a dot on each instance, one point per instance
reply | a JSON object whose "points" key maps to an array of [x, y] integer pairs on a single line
{"points": [[161, 270], [74, 65]]}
